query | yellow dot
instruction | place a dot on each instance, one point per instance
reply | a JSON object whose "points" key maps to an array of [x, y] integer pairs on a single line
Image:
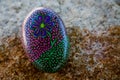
{"points": [[42, 25]]}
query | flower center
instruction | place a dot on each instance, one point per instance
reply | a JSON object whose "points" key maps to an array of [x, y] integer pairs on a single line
{"points": [[42, 25]]}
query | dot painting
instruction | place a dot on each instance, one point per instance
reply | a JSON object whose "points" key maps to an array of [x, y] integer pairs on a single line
{"points": [[45, 40]]}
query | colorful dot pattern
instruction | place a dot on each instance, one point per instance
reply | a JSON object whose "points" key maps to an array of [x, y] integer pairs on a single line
{"points": [[46, 40]]}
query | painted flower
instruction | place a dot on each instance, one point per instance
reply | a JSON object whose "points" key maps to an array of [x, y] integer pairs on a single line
{"points": [[41, 25]]}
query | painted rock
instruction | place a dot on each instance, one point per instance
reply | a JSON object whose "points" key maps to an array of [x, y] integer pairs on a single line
{"points": [[45, 40]]}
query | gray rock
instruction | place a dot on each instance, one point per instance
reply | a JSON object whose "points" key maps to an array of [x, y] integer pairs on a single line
{"points": [[88, 14], [117, 2]]}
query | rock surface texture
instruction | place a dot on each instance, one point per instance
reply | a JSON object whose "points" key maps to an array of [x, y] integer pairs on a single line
{"points": [[45, 40], [91, 27]]}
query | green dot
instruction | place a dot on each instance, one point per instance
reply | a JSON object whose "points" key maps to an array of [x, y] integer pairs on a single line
{"points": [[42, 25]]}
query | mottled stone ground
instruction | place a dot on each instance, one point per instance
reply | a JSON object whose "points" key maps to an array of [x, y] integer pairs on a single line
{"points": [[93, 56]]}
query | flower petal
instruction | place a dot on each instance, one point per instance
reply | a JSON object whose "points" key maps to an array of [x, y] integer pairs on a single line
{"points": [[36, 22], [47, 19], [48, 28], [37, 32], [33, 25], [40, 18], [43, 32], [50, 23]]}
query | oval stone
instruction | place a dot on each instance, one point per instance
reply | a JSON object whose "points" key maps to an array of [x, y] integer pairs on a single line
{"points": [[45, 40]]}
